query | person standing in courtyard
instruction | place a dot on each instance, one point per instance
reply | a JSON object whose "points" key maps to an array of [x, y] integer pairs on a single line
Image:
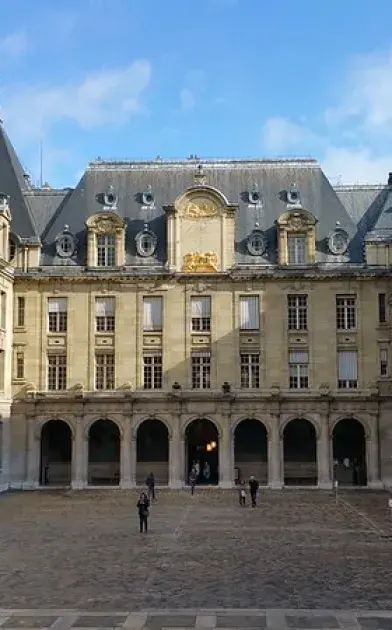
{"points": [[143, 508], [253, 488], [192, 480], [242, 494], [150, 483]]}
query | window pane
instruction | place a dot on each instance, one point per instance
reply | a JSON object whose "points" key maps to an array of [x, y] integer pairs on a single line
{"points": [[249, 312]]}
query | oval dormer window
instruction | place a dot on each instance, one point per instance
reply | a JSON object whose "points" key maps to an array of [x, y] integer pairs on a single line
{"points": [[338, 242], [256, 243], [146, 243], [65, 245]]}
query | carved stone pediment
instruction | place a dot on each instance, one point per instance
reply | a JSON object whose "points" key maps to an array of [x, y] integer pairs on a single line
{"points": [[105, 223], [296, 221]]}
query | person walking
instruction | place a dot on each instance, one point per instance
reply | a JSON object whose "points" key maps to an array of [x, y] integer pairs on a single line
{"points": [[142, 505], [150, 483], [253, 488], [242, 496], [192, 480]]}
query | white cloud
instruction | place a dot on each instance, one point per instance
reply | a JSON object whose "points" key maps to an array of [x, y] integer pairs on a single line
{"points": [[356, 166], [187, 100], [280, 135], [102, 98], [14, 44]]}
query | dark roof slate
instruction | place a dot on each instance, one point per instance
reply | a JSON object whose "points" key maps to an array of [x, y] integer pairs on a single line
{"points": [[13, 183]]}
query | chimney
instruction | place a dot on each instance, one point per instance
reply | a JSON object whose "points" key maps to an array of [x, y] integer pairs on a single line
{"points": [[390, 179]]}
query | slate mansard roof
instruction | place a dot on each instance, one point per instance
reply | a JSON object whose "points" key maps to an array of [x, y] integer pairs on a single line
{"points": [[362, 211]]}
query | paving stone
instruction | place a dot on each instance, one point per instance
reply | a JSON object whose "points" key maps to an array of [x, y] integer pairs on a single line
{"points": [[19, 621], [155, 622], [240, 621], [88, 621], [375, 623], [310, 622]]}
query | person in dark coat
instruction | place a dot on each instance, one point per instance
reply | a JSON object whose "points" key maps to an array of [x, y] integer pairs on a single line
{"points": [[150, 483], [192, 480], [253, 488], [142, 505]]}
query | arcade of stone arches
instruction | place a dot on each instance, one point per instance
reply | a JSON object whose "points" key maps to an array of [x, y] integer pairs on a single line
{"points": [[299, 454]]}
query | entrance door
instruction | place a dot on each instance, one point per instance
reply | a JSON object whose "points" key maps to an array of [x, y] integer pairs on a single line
{"points": [[202, 444]]}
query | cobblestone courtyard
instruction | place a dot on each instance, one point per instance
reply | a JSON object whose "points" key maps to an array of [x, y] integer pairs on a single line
{"points": [[297, 550]]}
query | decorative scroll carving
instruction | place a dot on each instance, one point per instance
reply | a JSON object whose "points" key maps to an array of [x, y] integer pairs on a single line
{"points": [[105, 226], [196, 262], [205, 208], [296, 224], [106, 223]]}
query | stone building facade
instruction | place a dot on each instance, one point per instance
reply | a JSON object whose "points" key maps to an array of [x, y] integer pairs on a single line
{"points": [[230, 312]]}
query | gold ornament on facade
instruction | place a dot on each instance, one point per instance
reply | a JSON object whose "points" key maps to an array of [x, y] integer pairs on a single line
{"points": [[195, 262], [200, 210]]}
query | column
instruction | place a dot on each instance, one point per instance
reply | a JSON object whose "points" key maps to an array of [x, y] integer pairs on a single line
{"points": [[133, 458], [275, 450], [79, 456], [5, 455], [126, 456], [372, 463], [176, 447], [323, 454], [33, 456], [225, 455]]}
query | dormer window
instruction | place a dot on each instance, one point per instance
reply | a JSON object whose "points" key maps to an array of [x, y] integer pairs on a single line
{"points": [[297, 253], [106, 251], [146, 242], [106, 240]]}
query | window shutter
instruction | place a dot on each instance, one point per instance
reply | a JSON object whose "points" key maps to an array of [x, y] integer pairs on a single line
{"points": [[57, 305], [348, 366], [201, 306], [104, 307], [152, 313], [249, 312], [298, 357]]}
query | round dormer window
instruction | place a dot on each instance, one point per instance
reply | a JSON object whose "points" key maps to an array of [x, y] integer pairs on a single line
{"points": [[256, 243], [65, 245], [338, 242], [146, 243]]}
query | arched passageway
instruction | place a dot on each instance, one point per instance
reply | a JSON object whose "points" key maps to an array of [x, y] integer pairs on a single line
{"points": [[152, 452], [300, 453], [349, 452], [202, 449], [56, 454], [251, 451], [104, 453]]}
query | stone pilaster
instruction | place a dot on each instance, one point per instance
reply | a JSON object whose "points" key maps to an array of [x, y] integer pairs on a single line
{"points": [[324, 453], [5, 455], [33, 455], [225, 461], [372, 462], [79, 456], [126, 456], [275, 465], [133, 458]]}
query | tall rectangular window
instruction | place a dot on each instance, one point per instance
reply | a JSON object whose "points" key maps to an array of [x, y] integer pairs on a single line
{"points": [[250, 370], [346, 312], [297, 249], [57, 372], [21, 311], [57, 315], [201, 314], [298, 370], [382, 308], [152, 314], [104, 370], [297, 307], [152, 371], [383, 362], [201, 370], [347, 369], [20, 365], [106, 251], [105, 320], [249, 312]]}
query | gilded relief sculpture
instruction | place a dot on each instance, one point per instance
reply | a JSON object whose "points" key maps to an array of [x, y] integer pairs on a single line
{"points": [[196, 262]]}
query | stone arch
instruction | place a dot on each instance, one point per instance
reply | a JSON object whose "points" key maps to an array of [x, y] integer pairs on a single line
{"points": [[300, 451], [216, 196], [251, 450], [135, 427], [192, 418], [152, 450], [42, 421], [104, 447], [95, 419], [349, 416], [251, 416], [349, 440], [56, 439], [201, 440], [304, 416]]}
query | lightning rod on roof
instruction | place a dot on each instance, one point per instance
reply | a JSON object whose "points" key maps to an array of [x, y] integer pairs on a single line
{"points": [[40, 165]]}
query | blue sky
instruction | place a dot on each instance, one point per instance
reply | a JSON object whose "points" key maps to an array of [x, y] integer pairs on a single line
{"points": [[217, 78]]}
